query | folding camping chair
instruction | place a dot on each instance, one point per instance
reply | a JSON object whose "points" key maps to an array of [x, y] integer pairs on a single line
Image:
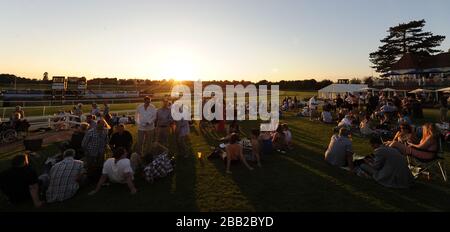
{"points": [[436, 165]]}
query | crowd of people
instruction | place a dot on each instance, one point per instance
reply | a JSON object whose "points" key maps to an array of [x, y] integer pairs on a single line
{"points": [[389, 124], [387, 121], [260, 144], [83, 159]]}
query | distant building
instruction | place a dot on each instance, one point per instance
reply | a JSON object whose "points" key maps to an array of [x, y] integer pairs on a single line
{"points": [[343, 81], [413, 71]]}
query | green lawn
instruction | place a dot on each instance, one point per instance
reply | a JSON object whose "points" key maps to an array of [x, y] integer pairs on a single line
{"points": [[297, 181]]}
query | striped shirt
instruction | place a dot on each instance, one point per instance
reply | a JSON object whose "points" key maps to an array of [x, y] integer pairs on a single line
{"points": [[63, 179]]}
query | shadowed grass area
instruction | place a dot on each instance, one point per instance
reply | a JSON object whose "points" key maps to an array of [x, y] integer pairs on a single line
{"points": [[297, 181]]}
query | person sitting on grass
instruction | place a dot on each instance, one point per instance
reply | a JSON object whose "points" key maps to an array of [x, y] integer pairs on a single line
{"points": [[426, 149], [346, 122], [121, 138], [65, 177], [404, 135], [365, 127], [77, 139], [388, 167], [340, 152], [279, 139], [327, 117], [385, 123], [20, 182], [403, 118], [117, 170], [266, 142], [256, 146], [235, 152]]}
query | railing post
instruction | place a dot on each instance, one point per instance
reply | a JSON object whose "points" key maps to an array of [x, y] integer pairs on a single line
{"points": [[4, 112], [43, 111]]}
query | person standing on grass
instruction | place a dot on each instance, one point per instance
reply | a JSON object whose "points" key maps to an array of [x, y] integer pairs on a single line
{"points": [[78, 111], [105, 109], [94, 145], [117, 170], [95, 110], [65, 177], [163, 122], [312, 104], [182, 131], [20, 182], [145, 121]]}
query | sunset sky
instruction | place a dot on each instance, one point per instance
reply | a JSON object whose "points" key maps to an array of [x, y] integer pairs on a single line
{"points": [[210, 40]]}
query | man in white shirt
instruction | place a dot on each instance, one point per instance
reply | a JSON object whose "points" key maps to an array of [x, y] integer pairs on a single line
{"points": [[312, 104], [145, 122], [117, 170]]}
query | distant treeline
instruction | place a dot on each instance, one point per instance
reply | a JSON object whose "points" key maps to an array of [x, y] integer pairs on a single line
{"points": [[310, 84]]}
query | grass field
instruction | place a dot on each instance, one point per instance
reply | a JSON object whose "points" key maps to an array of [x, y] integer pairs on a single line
{"points": [[297, 181]]}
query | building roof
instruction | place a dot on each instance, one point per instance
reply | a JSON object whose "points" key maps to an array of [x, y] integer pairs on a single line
{"points": [[416, 62], [438, 61], [343, 88], [408, 61]]}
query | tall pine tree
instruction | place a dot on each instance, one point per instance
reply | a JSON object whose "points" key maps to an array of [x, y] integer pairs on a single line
{"points": [[404, 38]]}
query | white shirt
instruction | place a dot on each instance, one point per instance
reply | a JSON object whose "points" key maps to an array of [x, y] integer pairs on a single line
{"points": [[312, 103], [145, 118], [116, 171]]}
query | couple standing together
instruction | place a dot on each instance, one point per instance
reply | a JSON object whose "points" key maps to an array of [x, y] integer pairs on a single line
{"points": [[153, 122]]}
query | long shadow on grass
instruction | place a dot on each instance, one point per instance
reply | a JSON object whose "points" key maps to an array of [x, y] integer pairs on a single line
{"points": [[419, 197], [315, 176], [284, 186]]}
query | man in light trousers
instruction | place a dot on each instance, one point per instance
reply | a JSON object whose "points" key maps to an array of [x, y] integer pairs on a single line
{"points": [[145, 122]]}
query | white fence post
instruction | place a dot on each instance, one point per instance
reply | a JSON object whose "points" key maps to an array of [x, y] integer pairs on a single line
{"points": [[43, 111]]}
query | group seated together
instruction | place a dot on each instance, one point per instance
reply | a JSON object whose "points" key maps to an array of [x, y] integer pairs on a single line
{"points": [[396, 140], [234, 149], [83, 160], [389, 162]]}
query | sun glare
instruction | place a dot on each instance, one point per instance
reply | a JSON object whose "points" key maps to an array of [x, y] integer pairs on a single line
{"points": [[180, 67]]}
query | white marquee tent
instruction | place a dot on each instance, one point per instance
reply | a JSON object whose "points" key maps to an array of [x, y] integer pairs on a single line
{"points": [[333, 90]]}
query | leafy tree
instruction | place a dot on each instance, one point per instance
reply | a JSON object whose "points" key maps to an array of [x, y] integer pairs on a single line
{"points": [[401, 39], [355, 81], [368, 81]]}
